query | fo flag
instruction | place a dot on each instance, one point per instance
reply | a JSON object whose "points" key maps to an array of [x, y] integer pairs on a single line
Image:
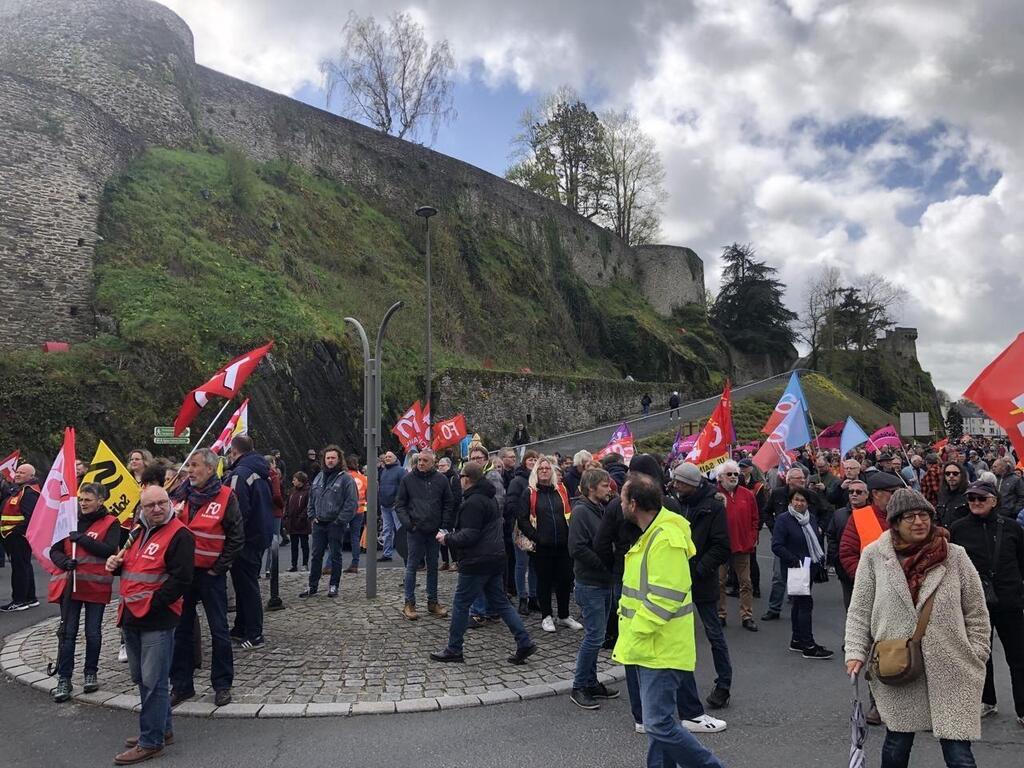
{"points": [[830, 436], [712, 446], [886, 437], [56, 512], [621, 442], [449, 432], [789, 434], [999, 392], [238, 424], [227, 382], [8, 465], [791, 398]]}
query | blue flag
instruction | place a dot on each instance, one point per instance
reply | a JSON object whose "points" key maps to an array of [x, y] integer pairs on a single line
{"points": [[791, 398], [853, 436], [794, 427]]}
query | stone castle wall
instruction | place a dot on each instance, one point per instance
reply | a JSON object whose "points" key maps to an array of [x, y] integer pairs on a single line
{"points": [[109, 77]]}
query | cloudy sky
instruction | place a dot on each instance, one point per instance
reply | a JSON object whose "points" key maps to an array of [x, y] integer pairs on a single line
{"points": [[874, 135]]}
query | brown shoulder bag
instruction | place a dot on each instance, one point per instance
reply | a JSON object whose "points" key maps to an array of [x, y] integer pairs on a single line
{"points": [[899, 662]]}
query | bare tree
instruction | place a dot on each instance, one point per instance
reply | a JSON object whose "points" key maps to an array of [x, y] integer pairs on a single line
{"points": [[881, 302], [391, 78], [817, 318], [635, 178]]}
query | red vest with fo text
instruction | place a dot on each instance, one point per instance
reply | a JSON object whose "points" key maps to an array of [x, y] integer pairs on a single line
{"points": [[207, 526], [92, 581], [10, 512], [145, 569]]}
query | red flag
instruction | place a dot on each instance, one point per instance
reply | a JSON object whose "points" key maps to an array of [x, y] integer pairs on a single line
{"points": [[8, 465], [238, 424], [712, 446], [830, 436], [940, 444], [999, 392], [449, 432], [56, 512], [409, 427], [621, 442], [226, 382]]}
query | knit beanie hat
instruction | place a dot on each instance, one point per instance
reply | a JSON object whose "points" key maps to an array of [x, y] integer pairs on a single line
{"points": [[906, 500]]}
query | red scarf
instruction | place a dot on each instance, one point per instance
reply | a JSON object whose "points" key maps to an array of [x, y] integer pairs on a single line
{"points": [[918, 559]]}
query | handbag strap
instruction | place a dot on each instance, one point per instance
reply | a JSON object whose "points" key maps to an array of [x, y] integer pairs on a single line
{"points": [[922, 620]]}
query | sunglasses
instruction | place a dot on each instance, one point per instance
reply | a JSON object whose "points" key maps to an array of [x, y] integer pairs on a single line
{"points": [[951, 474], [973, 497], [731, 474], [858, 491]]}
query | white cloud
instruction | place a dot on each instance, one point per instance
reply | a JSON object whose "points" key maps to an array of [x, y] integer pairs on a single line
{"points": [[740, 96]]}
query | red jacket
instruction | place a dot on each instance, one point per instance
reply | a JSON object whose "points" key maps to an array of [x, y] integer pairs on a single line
{"points": [[849, 545], [275, 493], [743, 519]]}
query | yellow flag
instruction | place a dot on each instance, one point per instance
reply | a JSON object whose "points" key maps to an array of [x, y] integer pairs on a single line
{"points": [[107, 469]]}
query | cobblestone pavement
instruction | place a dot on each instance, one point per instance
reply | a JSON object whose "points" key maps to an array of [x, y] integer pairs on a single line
{"points": [[338, 656]]}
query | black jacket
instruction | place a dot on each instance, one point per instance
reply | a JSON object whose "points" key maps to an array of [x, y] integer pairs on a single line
{"points": [[179, 560], [425, 502], [1011, 495], [94, 547], [834, 534], [778, 504], [710, 530], [618, 472], [515, 494], [588, 566], [552, 531], [456, 486], [951, 506], [477, 542], [978, 536], [572, 481], [615, 535], [26, 506], [249, 478]]}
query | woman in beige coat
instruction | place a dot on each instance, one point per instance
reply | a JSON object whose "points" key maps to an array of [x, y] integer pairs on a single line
{"points": [[896, 575]]}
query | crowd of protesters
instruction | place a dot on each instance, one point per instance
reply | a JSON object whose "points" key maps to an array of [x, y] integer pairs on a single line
{"points": [[529, 533]]}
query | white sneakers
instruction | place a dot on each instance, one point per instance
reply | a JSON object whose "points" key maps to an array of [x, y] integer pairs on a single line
{"points": [[548, 624], [639, 728], [570, 622], [704, 724], [122, 654], [988, 709]]}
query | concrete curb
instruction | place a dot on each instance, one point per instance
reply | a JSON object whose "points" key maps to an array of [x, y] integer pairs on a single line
{"points": [[14, 667]]}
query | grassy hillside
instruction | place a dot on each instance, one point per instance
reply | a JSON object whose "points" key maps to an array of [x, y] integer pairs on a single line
{"points": [[204, 254], [829, 402]]}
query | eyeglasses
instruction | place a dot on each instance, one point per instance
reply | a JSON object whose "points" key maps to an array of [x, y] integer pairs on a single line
{"points": [[973, 497], [918, 515], [951, 474], [156, 505]]}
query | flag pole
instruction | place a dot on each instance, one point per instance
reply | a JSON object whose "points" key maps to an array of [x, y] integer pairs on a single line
{"points": [[203, 436]]}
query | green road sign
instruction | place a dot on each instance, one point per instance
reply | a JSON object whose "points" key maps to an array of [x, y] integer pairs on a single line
{"points": [[169, 432]]}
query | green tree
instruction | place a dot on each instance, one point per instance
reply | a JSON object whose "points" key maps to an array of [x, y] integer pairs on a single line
{"points": [[954, 423], [749, 311]]}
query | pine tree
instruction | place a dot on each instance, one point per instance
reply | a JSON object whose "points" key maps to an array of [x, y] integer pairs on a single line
{"points": [[749, 311], [954, 423]]}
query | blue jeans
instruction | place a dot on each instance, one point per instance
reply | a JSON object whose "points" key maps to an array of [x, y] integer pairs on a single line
{"points": [[93, 637], [324, 536], [524, 567], [212, 591], [355, 532], [245, 576], [492, 587], [149, 662], [595, 603], [897, 746], [778, 593], [390, 523], [687, 699], [668, 743], [422, 546], [708, 611], [482, 608]]}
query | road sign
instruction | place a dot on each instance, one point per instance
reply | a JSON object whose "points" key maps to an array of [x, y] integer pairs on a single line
{"points": [[171, 440], [169, 432], [915, 423]]}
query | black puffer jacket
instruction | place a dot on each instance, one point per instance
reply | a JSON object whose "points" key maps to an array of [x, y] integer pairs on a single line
{"points": [[515, 495], [709, 528], [552, 529], [978, 536], [477, 542], [425, 502], [952, 502]]}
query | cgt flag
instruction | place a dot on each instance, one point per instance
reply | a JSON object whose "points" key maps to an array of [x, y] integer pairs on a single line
{"points": [[789, 434], [999, 392], [621, 442], [793, 396], [56, 512], [449, 432], [123, 490], [227, 382], [712, 446], [8, 465], [410, 428], [238, 424]]}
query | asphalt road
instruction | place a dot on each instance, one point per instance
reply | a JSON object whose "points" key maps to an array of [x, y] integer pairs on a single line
{"points": [[786, 711]]}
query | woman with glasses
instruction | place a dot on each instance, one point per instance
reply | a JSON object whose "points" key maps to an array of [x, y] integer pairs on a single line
{"points": [[952, 495], [910, 566]]}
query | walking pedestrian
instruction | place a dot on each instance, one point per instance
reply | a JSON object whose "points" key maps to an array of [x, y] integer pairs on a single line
{"points": [[332, 503], [673, 404]]}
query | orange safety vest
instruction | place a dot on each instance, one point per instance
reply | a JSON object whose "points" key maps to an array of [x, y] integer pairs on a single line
{"points": [[361, 484], [145, 569], [207, 526], [10, 513], [93, 582], [868, 527], [565, 504]]}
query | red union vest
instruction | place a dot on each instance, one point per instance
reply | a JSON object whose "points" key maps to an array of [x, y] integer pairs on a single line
{"points": [[207, 526], [361, 484], [93, 582], [567, 508], [145, 569], [10, 512]]}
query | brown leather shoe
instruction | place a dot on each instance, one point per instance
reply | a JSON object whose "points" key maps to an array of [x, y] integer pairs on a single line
{"points": [[436, 609], [168, 739], [352, 569], [409, 611], [136, 754]]}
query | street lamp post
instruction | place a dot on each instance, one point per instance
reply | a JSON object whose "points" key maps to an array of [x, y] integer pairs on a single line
{"points": [[371, 433], [425, 212]]}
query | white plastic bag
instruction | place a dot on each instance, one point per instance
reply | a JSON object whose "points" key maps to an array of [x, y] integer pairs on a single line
{"points": [[798, 580]]}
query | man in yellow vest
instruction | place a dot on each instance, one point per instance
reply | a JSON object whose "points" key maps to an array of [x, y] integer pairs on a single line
{"points": [[16, 505], [656, 622]]}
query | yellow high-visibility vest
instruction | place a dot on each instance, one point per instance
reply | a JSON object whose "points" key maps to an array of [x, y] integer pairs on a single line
{"points": [[656, 607]]}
